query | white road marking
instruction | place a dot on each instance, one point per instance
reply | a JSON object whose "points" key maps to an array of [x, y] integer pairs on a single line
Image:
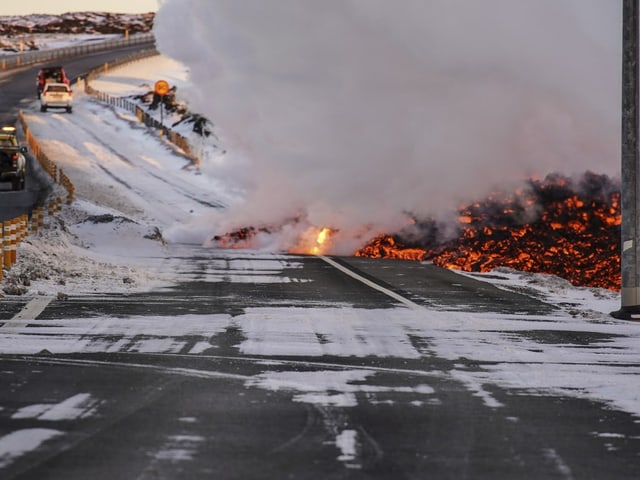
{"points": [[31, 311], [405, 301], [34, 308]]}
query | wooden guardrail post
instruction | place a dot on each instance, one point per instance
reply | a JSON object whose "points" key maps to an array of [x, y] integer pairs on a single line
{"points": [[37, 219], [40, 217]]}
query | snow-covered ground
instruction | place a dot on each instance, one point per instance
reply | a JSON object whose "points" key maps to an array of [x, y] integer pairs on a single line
{"points": [[137, 197], [130, 184]]}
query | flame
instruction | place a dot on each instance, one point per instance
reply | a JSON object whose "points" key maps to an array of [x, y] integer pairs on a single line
{"points": [[314, 241], [321, 239]]}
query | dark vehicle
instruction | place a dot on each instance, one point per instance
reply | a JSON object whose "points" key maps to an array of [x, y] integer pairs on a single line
{"points": [[50, 75], [13, 165]]}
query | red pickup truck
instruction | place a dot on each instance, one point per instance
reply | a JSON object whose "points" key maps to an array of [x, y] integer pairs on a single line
{"points": [[50, 75]]}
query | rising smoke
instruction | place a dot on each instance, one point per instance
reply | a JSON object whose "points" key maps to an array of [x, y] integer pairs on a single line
{"points": [[349, 113]]}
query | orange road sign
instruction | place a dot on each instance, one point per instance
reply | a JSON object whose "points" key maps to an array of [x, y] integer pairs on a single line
{"points": [[161, 88]]}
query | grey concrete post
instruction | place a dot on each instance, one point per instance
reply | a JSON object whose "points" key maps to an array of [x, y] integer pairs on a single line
{"points": [[630, 228]]}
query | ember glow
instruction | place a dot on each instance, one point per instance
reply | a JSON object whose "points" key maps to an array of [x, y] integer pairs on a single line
{"points": [[556, 226], [314, 241], [241, 238]]}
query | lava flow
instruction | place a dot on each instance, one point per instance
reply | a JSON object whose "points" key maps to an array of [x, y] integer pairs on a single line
{"points": [[306, 239], [555, 226]]}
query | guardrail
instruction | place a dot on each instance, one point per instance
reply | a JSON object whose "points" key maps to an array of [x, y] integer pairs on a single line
{"points": [[12, 61], [50, 167], [142, 116], [16, 229]]}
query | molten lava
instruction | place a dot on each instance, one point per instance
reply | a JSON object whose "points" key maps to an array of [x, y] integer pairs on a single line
{"points": [[554, 227], [241, 238]]}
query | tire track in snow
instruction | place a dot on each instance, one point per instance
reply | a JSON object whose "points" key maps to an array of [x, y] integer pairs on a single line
{"points": [[145, 130], [175, 186], [152, 195]]}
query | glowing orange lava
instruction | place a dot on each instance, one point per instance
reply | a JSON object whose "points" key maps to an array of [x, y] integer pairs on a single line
{"points": [[556, 227]]}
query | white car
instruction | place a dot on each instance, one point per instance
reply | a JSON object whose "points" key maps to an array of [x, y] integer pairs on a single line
{"points": [[56, 95]]}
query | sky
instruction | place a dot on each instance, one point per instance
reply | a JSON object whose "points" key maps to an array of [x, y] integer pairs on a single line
{"points": [[27, 7], [354, 113]]}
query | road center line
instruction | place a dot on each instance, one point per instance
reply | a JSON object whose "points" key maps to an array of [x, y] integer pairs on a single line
{"points": [[31, 310], [405, 301]]}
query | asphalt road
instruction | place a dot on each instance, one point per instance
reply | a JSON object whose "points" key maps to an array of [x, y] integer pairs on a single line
{"points": [[136, 398], [18, 90]]}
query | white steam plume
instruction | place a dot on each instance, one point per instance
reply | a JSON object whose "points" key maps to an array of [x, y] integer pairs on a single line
{"points": [[350, 112]]}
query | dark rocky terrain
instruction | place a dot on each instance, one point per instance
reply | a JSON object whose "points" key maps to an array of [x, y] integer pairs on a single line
{"points": [[76, 23]]}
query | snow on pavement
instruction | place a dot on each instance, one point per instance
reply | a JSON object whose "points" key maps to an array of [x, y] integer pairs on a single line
{"points": [[19, 442]]}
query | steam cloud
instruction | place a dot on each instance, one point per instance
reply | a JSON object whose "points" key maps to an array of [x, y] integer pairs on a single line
{"points": [[348, 113]]}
